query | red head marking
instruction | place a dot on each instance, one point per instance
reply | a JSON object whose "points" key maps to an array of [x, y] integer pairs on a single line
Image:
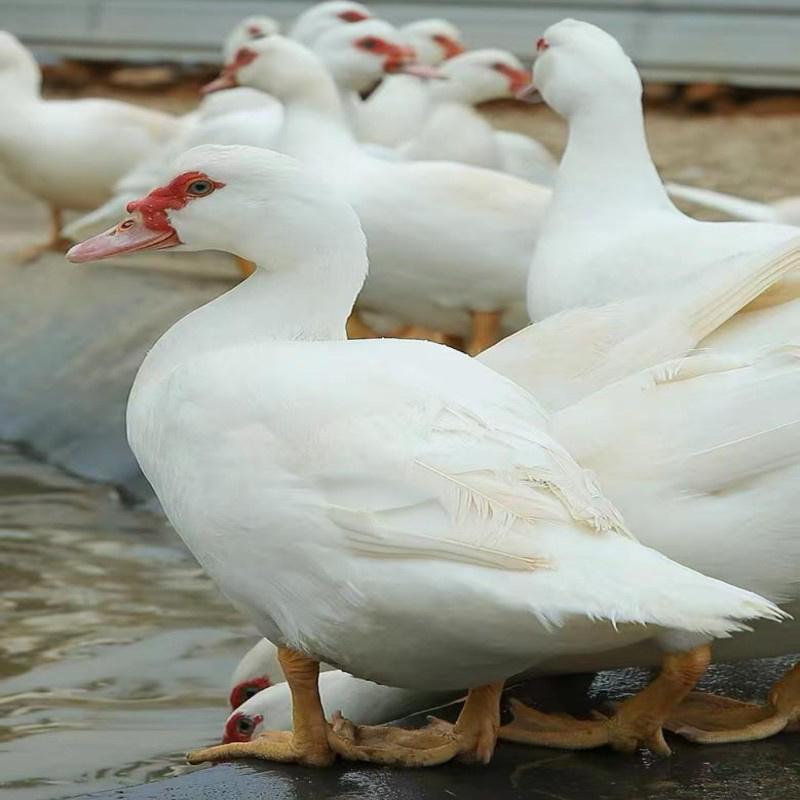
{"points": [[240, 727], [451, 47], [542, 44], [175, 195], [254, 30], [246, 689], [518, 79], [352, 16], [395, 56]]}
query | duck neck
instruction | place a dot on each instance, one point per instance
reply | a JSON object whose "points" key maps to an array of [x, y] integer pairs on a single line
{"points": [[607, 161], [308, 300], [314, 123], [20, 86]]}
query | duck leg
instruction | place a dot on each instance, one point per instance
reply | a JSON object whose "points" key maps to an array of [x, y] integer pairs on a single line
{"points": [[711, 719], [54, 242], [636, 723], [306, 743], [246, 268], [471, 739], [485, 331]]}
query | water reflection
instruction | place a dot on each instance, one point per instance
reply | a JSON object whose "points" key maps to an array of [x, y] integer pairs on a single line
{"points": [[115, 649]]}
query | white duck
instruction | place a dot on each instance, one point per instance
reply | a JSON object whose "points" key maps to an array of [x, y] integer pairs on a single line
{"points": [[240, 115], [399, 108], [361, 702], [258, 669], [662, 443], [68, 153], [785, 211], [391, 507], [611, 231], [223, 109], [449, 244], [321, 17], [456, 131]]}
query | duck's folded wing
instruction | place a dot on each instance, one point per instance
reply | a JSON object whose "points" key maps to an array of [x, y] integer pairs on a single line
{"points": [[469, 488], [570, 355], [707, 425]]}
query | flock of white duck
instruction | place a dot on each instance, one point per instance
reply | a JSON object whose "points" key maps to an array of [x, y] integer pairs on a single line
{"points": [[416, 517]]}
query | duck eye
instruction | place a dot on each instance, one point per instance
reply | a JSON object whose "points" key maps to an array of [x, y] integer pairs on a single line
{"points": [[369, 43], [250, 691], [245, 725], [200, 188], [499, 66]]}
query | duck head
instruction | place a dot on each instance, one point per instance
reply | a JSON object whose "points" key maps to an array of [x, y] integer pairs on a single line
{"points": [[248, 201], [358, 55], [433, 40], [481, 75], [322, 17], [258, 669], [248, 30], [579, 65]]}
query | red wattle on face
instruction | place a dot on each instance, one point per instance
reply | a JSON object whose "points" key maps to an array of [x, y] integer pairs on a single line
{"points": [[353, 16], [148, 226], [247, 689], [451, 47], [240, 727]]}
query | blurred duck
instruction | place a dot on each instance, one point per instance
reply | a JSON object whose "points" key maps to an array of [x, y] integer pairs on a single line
{"points": [[785, 211], [318, 19], [400, 106], [239, 115], [389, 506], [68, 153], [149, 171], [456, 131], [662, 443], [449, 243]]}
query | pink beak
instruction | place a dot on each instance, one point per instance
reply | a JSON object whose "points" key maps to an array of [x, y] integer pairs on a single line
{"points": [[129, 236], [226, 80], [529, 93]]}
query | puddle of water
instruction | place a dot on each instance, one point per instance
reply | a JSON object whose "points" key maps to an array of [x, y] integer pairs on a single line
{"points": [[115, 650]]}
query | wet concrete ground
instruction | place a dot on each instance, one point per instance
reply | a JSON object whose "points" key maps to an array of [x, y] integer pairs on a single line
{"points": [[766, 770]]}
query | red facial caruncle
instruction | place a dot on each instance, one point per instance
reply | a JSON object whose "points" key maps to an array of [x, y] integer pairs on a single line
{"points": [[542, 44], [451, 47], [247, 689], [395, 56], [518, 79], [240, 727], [353, 16], [175, 195]]}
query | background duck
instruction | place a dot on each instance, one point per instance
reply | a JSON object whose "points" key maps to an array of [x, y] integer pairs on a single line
{"points": [[455, 131], [68, 153], [450, 244]]}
